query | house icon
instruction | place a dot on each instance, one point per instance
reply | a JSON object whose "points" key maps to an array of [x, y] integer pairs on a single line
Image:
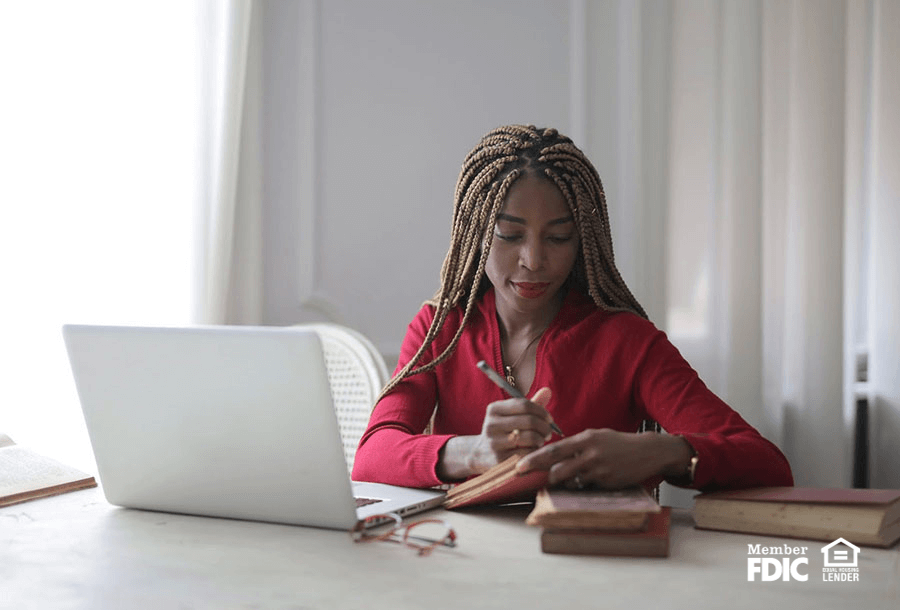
{"points": [[837, 554]]}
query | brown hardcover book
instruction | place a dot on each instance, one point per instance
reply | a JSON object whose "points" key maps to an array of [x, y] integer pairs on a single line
{"points": [[625, 509], [26, 475], [862, 516], [650, 542], [499, 485]]}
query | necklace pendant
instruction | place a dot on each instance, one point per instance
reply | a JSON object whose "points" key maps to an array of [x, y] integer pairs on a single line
{"points": [[509, 376]]}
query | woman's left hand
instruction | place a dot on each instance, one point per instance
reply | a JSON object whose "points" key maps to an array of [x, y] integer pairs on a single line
{"points": [[610, 459]]}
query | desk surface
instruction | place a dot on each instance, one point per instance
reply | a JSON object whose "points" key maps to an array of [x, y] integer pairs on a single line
{"points": [[77, 551]]}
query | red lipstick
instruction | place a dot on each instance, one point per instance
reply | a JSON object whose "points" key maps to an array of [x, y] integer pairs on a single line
{"points": [[531, 290]]}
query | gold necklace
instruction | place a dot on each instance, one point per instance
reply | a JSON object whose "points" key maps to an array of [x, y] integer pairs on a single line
{"points": [[509, 369]]}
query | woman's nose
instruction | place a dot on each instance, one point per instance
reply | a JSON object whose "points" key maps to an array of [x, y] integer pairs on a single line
{"points": [[531, 255]]}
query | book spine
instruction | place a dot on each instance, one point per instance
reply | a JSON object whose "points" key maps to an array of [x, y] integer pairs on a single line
{"points": [[854, 524], [564, 543]]}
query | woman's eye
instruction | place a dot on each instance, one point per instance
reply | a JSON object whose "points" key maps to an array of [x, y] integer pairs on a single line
{"points": [[560, 239], [507, 237]]}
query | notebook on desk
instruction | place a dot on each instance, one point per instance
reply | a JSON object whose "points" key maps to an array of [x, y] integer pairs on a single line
{"points": [[233, 422]]}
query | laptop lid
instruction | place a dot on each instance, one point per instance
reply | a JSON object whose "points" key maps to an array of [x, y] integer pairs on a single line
{"points": [[220, 421]]}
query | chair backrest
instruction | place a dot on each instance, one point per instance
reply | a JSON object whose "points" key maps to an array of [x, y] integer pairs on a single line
{"points": [[357, 373]]}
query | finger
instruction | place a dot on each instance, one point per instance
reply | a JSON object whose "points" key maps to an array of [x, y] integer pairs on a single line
{"points": [[513, 438], [506, 454], [542, 397], [579, 481], [517, 406], [608, 476], [549, 455], [575, 470], [517, 438], [523, 439], [501, 426]]}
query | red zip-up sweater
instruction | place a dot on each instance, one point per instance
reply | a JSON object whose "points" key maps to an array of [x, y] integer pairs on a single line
{"points": [[606, 370]]}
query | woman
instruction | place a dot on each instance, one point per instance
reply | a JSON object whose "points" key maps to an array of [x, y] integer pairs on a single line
{"points": [[531, 287]]}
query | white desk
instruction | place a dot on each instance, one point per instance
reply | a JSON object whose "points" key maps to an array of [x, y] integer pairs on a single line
{"points": [[77, 551]]}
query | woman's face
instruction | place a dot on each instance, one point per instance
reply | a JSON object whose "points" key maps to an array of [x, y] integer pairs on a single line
{"points": [[534, 246]]}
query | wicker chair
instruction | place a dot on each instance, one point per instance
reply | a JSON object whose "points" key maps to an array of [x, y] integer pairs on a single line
{"points": [[356, 373]]}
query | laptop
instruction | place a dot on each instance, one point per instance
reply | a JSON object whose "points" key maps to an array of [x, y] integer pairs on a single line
{"points": [[222, 421]]}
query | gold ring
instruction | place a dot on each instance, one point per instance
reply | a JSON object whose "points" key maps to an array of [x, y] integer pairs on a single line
{"points": [[514, 437]]}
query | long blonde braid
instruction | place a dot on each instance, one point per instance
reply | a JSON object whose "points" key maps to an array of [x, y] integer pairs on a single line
{"points": [[488, 172]]}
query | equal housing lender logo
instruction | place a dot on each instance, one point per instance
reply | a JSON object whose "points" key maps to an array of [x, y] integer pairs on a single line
{"points": [[787, 563], [841, 562]]}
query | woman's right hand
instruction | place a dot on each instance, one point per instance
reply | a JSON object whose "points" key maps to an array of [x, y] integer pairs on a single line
{"points": [[514, 426]]}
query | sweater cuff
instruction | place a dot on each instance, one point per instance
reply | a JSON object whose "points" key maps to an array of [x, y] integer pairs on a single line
{"points": [[427, 453]]}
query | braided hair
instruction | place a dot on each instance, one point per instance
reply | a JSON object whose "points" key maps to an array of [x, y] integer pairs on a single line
{"points": [[488, 172]]}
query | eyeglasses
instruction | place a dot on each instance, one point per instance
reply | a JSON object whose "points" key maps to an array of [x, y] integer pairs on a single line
{"points": [[423, 536]]}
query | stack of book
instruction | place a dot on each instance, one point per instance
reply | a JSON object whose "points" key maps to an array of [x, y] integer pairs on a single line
{"points": [[598, 522], [589, 522]]}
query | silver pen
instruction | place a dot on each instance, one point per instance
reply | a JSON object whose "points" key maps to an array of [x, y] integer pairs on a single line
{"points": [[513, 391]]}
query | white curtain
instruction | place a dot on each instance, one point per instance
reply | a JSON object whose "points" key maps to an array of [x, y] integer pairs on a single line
{"points": [[803, 205], [779, 201], [229, 228]]}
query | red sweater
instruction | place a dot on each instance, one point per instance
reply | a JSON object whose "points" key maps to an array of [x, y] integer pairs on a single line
{"points": [[606, 370]]}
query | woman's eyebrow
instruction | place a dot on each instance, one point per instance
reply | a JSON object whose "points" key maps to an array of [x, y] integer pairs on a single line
{"points": [[555, 221]]}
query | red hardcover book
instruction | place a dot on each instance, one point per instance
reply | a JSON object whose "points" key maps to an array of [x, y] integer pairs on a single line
{"points": [[861, 516], [650, 542], [594, 509], [499, 485]]}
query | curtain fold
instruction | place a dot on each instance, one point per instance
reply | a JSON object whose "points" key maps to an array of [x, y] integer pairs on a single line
{"points": [[809, 175], [229, 228]]}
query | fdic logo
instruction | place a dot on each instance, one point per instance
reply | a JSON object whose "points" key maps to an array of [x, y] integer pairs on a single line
{"points": [[840, 559], [771, 568]]}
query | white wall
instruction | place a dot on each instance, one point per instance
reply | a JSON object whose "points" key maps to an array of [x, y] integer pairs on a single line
{"points": [[370, 108], [370, 114]]}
